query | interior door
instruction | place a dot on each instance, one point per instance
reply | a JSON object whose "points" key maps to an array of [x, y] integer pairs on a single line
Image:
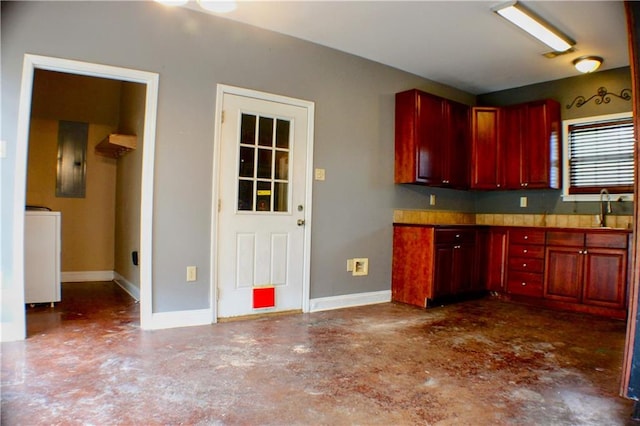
{"points": [[262, 213]]}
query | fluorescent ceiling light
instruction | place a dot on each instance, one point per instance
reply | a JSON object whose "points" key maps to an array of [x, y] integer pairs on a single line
{"points": [[588, 63], [218, 6], [534, 25]]}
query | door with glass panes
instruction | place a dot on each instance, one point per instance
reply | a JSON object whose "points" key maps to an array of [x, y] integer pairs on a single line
{"points": [[262, 206]]}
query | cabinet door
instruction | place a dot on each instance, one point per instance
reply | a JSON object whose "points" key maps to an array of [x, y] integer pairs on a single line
{"points": [[486, 155], [540, 155], [605, 278], [497, 260], [412, 264], [463, 269], [443, 281], [456, 167], [431, 134], [563, 277], [513, 130]]}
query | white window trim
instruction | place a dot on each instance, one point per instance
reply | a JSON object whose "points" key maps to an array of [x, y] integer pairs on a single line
{"points": [[565, 159]]}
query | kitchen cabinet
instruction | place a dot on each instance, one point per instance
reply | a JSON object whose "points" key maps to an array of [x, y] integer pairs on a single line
{"points": [[433, 264], [486, 150], [516, 147], [588, 268], [496, 259], [531, 136], [431, 140], [525, 263]]}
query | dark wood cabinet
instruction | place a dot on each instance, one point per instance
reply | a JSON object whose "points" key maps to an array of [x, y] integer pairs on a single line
{"points": [[433, 264], [431, 140], [589, 268], [486, 150], [516, 147], [496, 259], [531, 137], [526, 262]]}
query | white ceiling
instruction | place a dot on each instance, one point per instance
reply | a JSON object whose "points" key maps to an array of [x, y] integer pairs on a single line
{"points": [[459, 43]]}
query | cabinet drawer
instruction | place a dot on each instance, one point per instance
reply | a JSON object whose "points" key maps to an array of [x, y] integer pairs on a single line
{"points": [[525, 284], [534, 252], [559, 238], [524, 264], [604, 240], [526, 236], [445, 236]]}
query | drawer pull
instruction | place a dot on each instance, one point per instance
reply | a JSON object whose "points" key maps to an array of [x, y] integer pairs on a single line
{"points": [[523, 284], [526, 237], [524, 265], [525, 251], [457, 235]]}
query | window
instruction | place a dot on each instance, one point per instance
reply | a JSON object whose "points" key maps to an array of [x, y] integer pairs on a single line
{"points": [[598, 154]]}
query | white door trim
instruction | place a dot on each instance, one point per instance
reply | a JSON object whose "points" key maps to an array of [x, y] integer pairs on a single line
{"points": [[30, 64], [223, 89]]}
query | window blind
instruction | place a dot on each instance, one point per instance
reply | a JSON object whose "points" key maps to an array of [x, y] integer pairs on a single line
{"points": [[601, 156]]}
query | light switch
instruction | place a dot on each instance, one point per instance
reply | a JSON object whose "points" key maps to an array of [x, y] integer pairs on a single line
{"points": [[432, 199], [191, 273], [320, 174], [523, 201]]}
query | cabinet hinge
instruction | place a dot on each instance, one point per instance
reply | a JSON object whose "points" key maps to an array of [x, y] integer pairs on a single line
{"points": [[222, 117], [219, 205]]}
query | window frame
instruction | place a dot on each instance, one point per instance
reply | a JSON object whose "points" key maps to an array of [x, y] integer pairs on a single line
{"points": [[566, 196]]}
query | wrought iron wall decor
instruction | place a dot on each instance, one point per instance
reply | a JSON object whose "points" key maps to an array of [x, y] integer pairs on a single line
{"points": [[603, 96]]}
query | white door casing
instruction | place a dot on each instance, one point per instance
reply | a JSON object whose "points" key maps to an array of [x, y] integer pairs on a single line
{"points": [[262, 198]]}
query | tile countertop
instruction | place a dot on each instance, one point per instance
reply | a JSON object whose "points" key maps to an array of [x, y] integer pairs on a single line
{"points": [[444, 218]]}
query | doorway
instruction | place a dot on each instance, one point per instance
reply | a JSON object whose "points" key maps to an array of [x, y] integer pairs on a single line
{"points": [[264, 161], [150, 81]]}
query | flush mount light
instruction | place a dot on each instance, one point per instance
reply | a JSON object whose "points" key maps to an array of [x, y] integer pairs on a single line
{"points": [[534, 25], [588, 63]]}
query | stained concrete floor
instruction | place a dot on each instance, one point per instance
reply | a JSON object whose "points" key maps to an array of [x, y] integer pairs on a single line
{"points": [[484, 362]]}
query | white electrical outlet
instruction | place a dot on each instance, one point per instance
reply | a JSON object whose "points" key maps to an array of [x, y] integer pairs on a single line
{"points": [[360, 267], [523, 201], [320, 174], [192, 273], [432, 199]]}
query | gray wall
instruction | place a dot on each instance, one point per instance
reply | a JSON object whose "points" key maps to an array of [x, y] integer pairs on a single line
{"points": [[192, 52]]}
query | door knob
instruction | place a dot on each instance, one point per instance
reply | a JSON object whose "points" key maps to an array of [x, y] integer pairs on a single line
{"points": [[300, 222]]}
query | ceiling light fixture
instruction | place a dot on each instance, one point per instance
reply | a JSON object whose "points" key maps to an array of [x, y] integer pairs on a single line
{"points": [[588, 63], [534, 25], [216, 6]]}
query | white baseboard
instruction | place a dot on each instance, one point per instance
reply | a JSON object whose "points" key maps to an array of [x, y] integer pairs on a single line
{"points": [[126, 285], [162, 320], [80, 276], [349, 300]]}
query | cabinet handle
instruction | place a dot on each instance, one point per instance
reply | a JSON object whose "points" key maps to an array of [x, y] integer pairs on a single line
{"points": [[524, 284], [580, 252], [498, 185], [456, 247], [585, 252], [526, 237], [525, 251], [524, 265], [457, 235]]}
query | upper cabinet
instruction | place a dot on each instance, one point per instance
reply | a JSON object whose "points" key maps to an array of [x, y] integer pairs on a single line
{"points": [[516, 147], [432, 140]]}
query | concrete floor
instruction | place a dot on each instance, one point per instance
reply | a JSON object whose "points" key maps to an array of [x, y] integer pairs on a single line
{"points": [[483, 362]]}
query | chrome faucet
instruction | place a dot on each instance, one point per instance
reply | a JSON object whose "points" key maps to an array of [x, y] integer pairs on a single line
{"points": [[604, 211]]}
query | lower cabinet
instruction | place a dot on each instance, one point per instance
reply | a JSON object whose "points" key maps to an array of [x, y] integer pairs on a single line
{"points": [[433, 264], [587, 268]]}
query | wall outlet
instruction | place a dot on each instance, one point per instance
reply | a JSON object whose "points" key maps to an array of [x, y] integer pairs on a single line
{"points": [[523, 201], [360, 267], [432, 199], [192, 273], [320, 174]]}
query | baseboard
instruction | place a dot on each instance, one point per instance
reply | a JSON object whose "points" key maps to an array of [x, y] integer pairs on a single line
{"points": [[162, 320], [126, 285], [81, 276], [349, 300]]}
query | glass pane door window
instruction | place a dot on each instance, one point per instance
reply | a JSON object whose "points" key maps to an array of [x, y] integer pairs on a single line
{"points": [[263, 169]]}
